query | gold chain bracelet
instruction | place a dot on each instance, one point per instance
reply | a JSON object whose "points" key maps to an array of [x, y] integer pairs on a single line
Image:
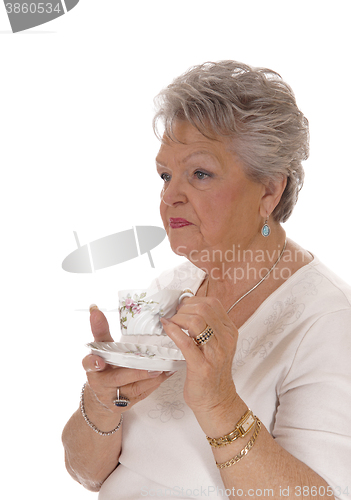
{"points": [[244, 451]]}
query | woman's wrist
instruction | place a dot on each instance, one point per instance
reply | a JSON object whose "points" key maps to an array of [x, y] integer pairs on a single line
{"points": [[103, 417], [224, 422], [219, 420]]}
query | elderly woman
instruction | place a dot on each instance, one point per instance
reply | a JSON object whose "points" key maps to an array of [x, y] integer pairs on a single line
{"points": [[266, 336]]}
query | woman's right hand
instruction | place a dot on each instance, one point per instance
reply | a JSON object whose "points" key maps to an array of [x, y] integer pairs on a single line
{"points": [[104, 379]]}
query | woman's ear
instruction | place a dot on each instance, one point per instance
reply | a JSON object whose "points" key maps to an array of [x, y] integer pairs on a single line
{"points": [[272, 195]]}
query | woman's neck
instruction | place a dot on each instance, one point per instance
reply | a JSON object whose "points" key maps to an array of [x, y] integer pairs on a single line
{"points": [[233, 287], [242, 265]]}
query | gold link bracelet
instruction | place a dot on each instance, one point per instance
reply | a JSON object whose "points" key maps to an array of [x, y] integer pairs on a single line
{"points": [[244, 451], [242, 428]]}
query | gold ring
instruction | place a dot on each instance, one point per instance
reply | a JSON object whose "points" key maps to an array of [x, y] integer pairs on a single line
{"points": [[204, 336]]}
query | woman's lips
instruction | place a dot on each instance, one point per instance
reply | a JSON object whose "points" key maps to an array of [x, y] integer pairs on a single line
{"points": [[177, 222]]}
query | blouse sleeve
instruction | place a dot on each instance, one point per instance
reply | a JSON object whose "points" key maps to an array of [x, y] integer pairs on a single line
{"points": [[312, 420]]}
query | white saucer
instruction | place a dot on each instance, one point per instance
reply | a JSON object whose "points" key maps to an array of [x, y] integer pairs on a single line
{"points": [[139, 356]]}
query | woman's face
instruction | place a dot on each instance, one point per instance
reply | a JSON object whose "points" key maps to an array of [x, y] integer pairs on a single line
{"points": [[207, 202]]}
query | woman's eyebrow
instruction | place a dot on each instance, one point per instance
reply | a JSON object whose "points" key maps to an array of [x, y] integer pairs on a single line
{"points": [[198, 153], [159, 164]]}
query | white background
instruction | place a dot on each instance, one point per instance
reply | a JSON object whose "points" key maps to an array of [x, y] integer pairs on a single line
{"points": [[77, 154]]}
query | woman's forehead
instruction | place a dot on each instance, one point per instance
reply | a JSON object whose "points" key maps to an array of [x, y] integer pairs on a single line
{"points": [[202, 154], [189, 144]]}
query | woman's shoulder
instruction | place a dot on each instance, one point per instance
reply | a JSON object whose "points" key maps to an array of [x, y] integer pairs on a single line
{"points": [[324, 284], [311, 277], [311, 293]]}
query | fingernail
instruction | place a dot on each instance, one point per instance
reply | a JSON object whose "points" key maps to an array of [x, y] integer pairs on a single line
{"points": [[164, 321], [153, 373], [97, 365], [168, 374], [92, 307]]}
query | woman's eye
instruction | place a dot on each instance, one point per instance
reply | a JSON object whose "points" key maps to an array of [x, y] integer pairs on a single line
{"points": [[165, 177], [201, 175]]}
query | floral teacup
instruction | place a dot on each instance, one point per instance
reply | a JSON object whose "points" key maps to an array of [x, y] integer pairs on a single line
{"points": [[140, 310]]}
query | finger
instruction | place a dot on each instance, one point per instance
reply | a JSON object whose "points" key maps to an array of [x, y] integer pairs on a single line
{"points": [[212, 313], [191, 353], [108, 376], [125, 376], [204, 304], [193, 323], [195, 326], [135, 391], [99, 325], [143, 388], [93, 363]]}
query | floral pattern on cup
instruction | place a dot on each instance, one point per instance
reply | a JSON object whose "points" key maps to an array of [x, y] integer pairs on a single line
{"points": [[132, 306]]}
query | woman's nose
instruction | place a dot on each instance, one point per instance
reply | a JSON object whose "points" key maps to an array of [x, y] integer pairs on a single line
{"points": [[173, 193]]}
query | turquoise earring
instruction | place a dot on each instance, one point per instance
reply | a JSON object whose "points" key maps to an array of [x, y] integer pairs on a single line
{"points": [[266, 230]]}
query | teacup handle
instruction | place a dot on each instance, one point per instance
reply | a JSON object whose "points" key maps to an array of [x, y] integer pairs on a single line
{"points": [[185, 293]]}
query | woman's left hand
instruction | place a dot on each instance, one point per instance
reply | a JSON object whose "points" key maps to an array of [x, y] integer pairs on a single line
{"points": [[209, 386]]}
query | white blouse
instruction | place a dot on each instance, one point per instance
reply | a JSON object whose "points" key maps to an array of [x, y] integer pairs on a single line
{"points": [[292, 368]]}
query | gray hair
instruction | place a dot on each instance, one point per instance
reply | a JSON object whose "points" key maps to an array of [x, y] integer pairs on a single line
{"points": [[255, 108]]}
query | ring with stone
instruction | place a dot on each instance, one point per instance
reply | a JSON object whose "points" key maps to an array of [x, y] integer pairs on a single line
{"points": [[121, 401], [204, 336], [185, 293]]}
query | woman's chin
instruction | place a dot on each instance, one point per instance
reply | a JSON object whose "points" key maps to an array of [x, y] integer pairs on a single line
{"points": [[181, 250], [190, 253], [185, 248]]}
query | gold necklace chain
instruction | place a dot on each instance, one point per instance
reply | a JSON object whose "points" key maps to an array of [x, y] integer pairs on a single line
{"points": [[257, 284]]}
